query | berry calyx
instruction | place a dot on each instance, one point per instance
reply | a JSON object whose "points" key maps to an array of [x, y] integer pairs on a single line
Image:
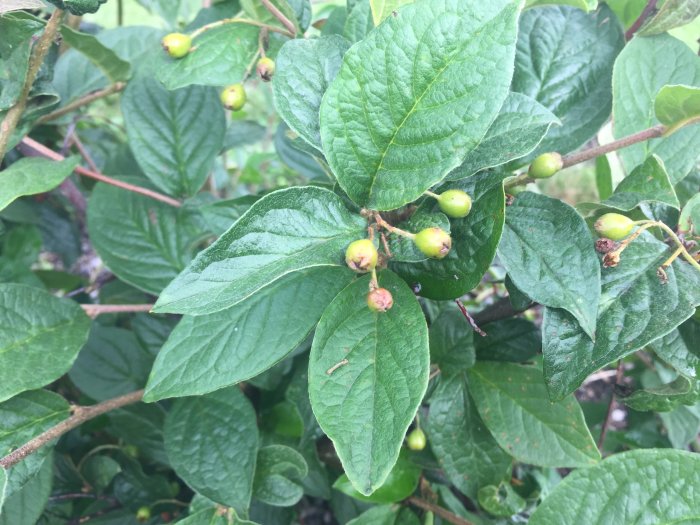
{"points": [[614, 226], [416, 439], [545, 166], [143, 514], [265, 68], [361, 256], [177, 45], [433, 242], [234, 97], [380, 300], [455, 203]]}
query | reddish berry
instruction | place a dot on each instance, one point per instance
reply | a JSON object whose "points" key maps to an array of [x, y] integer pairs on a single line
{"points": [[380, 300], [266, 68]]}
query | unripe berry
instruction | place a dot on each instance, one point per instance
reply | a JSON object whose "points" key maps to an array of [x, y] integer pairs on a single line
{"points": [[433, 242], [177, 45], [455, 203], [380, 300], [545, 166], [234, 97], [266, 68], [416, 439], [361, 256], [143, 514], [614, 226]]}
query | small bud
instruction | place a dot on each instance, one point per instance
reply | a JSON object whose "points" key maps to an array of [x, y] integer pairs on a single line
{"points": [[455, 203], [605, 245], [416, 439], [177, 45], [143, 514], [234, 97], [266, 68], [545, 166], [433, 242], [380, 300], [614, 226], [611, 259], [361, 256]]}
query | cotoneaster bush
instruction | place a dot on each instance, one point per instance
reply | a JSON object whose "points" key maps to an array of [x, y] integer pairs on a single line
{"points": [[363, 262]]}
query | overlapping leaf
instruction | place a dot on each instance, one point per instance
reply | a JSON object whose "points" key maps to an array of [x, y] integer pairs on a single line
{"points": [[30, 176]]}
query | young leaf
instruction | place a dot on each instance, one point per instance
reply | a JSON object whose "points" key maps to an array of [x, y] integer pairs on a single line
{"points": [[648, 182], [671, 13], [664, 398], [208, 352], [501, 500], [460, 441], [394, 121], [40, 337], [512, 400], [644, 67], [285, 231], [305, 68], [368, 372], [549, 254], [278, 473], [570, 356], [641, 486], [677, 106], [33, 175], [212, 442]]}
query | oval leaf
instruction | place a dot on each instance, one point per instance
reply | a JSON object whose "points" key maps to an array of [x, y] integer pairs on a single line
{"points": [[30, 176]]}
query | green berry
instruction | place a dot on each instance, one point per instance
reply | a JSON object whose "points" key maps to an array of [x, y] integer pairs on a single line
{"points": [[361, 256], [143, 514], [266, 68], [545, 166], [455, 203], [234, 97], [416, 439], [433, 242], [380, 300], [177, 45], [131, 450], [614, 226]]}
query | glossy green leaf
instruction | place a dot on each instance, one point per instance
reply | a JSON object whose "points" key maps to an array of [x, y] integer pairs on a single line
{"points": [[125, 227], [23, 418], [679, 348], [208, 352], [304, 69], [603, 177], [501, 500], [644, 67], [451, 342], [15, 49], [114, 68], [677, 106], [549, 254], [283, 232], [512, 400], [368, 372], [634, 488], [404, 249], [174, 146], [394, 121], [33, 175], [648, 182], [212, 442], [565, 61], [623, 325], [664, 398], [40, 337], [278, 473], [474, 242], [689, 221], [671, 13], [462, 444], [221, 58], [515, 340], [25, 506], [381, 9], [519, 127]]}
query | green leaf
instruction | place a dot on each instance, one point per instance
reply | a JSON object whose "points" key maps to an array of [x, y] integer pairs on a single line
{"points": [[462, 444], [15, 49], [33, 175], [515, 340], [23, 418], [682, 425], [474, 242], [638, 487], [221, 58], [381, 9], [125, 227], [40, 337], [603, 177], [113, 363], [623, 326], [368, 372], [512, 400], [174, 146], [549, 254], [404, 249], [25, 506], [501, 500], [278, 473], [399, 485], [99, 471], [141, 425], [689, 221], [519, 127], [679, 348], [304, 70], [586, 5], [644, 67], [451, 342], [664, 398], [114, 68], [208, 352], [677, 106], [565, 61], [386, 515], [648, 182], [394, 121], [212, 442], [359, 22], [3, 487], [672, 13], [285, 231]]}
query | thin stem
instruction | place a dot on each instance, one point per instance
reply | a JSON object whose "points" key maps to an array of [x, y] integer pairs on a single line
{"points": [[236, 20], [84, 152], [93, 310], [431, 194], [286, 22], [469, 318], [438, 511], [611, 406], [646, 13], [668, 262], [672, 234], [31, 147], [83, 101], [398, 231], [80, 415], [41, 48]]}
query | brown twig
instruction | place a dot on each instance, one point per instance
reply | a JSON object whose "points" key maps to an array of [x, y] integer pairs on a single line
{"points": [[31, 147], [591, 153], [93, 310], [80, 415], [438, 511], [469, 318], [286, 22], [611, 406], [84, 152], [646, 13], [41, 48], [83, 101]]}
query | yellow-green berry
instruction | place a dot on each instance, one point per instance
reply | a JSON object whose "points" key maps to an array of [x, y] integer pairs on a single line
{"points": [[614, 226], [361, 256], [455, 203], [177, 45], [416, 439], [545, 166], [265, 68], [143, 514], [433, 242], [234, 97]]}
